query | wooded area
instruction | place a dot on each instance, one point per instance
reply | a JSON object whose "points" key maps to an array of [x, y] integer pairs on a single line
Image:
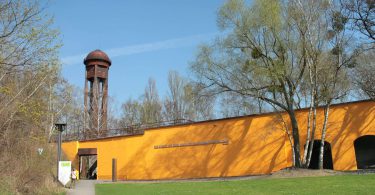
{"points": [[29, 92]]}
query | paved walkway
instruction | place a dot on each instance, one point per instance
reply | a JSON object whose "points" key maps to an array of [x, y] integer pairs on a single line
{"points": [[83, 187]]}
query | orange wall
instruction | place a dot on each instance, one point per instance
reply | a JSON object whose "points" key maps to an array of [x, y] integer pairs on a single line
{"points": [[70, 150], [257, 145]]}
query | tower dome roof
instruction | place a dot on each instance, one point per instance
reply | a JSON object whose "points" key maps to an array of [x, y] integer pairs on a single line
{"points": [[97, 55]]}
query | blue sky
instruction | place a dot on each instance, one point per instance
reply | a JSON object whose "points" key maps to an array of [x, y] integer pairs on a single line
{"points": [[143, 38]]}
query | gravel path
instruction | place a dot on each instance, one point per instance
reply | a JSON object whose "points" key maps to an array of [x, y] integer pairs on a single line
{"points": [[83, 187]]}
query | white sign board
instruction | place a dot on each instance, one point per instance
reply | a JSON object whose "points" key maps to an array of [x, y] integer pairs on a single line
{"points": [[65, 168]]}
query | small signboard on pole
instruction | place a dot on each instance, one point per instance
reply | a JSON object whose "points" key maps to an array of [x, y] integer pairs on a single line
{"points": [[65, 168]]}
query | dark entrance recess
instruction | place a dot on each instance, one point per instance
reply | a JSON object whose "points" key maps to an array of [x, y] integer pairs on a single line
{"points": [[87, 163], [365, 152], [327, 158]]}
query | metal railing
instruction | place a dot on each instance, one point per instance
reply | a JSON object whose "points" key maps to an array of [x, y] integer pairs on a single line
{"points": [[131, 130]]}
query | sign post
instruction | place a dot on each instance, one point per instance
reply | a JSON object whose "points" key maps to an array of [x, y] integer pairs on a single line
{"points": [[60, 127]]}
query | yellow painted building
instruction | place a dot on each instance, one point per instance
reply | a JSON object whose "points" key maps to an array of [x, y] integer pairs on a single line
{"points": [[240, 146]]}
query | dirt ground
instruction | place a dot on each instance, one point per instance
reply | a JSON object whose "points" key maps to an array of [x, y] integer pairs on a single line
{"points": [[287, 173]]}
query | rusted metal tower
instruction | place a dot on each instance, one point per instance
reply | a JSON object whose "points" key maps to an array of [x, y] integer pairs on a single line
{"points": [[96, 93]]}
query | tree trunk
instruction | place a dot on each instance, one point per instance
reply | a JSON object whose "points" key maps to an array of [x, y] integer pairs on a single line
{"points": [[311, 146], [324, 131], [308, 137], [311, 124], [292, 146], [295, 133]]}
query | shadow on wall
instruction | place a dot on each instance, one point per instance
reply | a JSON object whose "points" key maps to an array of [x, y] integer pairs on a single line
{"points": [[257, 145], [249, 152], [354, 122]]}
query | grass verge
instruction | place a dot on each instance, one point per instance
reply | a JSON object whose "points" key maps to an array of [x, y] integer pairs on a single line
{"points": [[340, 184]]}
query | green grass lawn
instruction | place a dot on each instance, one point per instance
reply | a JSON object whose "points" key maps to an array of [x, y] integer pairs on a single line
{"points": [[341, 184]]}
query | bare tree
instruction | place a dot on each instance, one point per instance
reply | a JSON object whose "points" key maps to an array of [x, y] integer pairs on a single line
{"points": [[361, 13], [232, 104], [289, 54], [131, 113], [364, 74], [29, 74], [183, 102], [203, 103], [176, 104], [151, 104], [260, 58]]}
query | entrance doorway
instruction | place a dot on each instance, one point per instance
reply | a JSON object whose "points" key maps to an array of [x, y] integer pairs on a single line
{"points": [[365, 152], [88, 163], [327, 158]]}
